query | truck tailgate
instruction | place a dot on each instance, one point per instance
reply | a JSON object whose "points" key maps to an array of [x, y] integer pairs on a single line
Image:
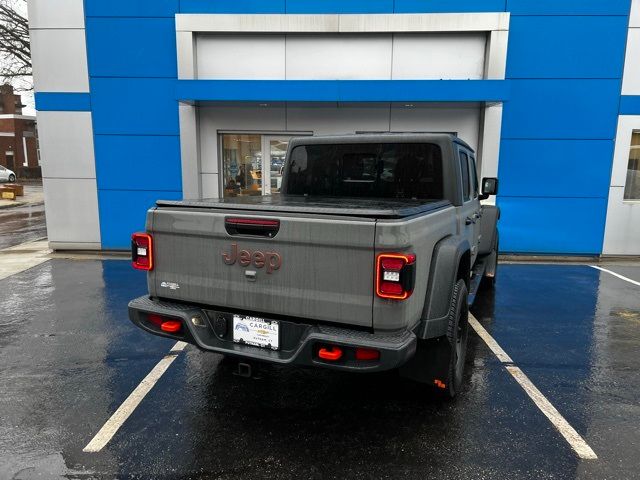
{"points": [[324, 264]]}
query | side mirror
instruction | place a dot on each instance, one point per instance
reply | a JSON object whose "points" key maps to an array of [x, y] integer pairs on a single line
{"points": [[489, 187]]}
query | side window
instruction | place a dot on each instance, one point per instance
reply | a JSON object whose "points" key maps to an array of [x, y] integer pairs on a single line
{"points": [[464, 167], [474, 177], [632, 185]]}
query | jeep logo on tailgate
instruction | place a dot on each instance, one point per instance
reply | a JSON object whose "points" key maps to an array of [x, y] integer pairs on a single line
{"points": [[271, 260]]}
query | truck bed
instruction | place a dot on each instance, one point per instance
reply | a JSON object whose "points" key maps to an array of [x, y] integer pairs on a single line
{"points": [[347, 207]]}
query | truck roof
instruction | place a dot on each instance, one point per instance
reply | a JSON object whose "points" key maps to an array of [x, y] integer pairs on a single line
{"points": [[438, 138]]}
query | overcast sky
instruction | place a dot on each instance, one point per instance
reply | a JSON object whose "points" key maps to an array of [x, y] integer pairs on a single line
{"points": [[27, 99]]}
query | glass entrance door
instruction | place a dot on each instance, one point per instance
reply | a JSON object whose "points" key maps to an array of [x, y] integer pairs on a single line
{"points": [[252, 164], [274, 149]]}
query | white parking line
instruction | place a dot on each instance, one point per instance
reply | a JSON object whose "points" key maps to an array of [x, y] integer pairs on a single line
{"points": [[123, 412], [489, 340], [582, 449], [567, 431], [616, 275]]}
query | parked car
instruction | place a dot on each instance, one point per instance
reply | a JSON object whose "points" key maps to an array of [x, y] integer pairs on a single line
{"points": [[366, 261], [7, 175]]}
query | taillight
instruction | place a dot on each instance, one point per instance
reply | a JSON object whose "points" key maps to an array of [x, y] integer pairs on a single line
{"points": [[395, 275], [142, 251], [367, 354], [331, 353]]}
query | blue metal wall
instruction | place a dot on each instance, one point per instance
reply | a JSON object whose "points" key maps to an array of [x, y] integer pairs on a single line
{"points": [[560, 124], [565, 66]]}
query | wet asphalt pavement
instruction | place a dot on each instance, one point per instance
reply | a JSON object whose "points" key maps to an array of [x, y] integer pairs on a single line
{"points": [[21, 224], [69, 357]]}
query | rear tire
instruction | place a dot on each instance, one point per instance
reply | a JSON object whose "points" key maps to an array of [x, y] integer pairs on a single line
{"points": [[12, 178], [457, 337]]}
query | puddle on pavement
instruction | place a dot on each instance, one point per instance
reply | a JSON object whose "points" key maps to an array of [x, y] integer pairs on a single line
{"points": [[630, 315]]}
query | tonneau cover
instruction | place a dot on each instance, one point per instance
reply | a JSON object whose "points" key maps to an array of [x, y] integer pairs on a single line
{"points": [[351, 207]]}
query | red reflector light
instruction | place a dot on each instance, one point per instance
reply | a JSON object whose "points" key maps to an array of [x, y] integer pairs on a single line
{"points": [[165, 324], [142, 251], [171, 326], [367, 354], [439, 384], [155, 319], [395, 275], [330, 353]]}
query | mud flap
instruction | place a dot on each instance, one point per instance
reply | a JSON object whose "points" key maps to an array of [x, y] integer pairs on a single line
{"points": [[490, 270], [430, 364], [488, 228]]}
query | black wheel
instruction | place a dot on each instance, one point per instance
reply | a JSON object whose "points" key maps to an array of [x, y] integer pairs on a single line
{"points": [[457, 337], [12, 178]]}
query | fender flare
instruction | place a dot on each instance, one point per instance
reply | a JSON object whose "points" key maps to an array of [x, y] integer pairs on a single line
{"points": [[447, 255]]}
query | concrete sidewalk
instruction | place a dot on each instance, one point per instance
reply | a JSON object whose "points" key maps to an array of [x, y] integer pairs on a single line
{"points": [[33, 195], [23, 257]]}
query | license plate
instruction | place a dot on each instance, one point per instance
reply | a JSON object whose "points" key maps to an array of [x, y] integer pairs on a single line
{"points": [[256, 331]]}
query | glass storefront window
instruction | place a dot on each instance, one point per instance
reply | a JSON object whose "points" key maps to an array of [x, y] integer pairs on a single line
{"points": [[632, 186], [242, 164]]}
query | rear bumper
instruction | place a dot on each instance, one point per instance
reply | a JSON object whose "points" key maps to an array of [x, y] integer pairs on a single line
{"points": [[300, 342]]}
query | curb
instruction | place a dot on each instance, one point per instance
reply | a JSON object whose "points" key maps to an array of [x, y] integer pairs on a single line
{"points": [[21, 204], [507, 257], [569, 260], [13, 205]]}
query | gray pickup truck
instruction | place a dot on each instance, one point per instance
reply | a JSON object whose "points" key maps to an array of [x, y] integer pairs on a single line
{"points": [[366, 260]]}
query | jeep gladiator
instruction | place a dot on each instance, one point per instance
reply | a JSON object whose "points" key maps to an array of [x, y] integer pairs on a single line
{"points": [[365, 261]]}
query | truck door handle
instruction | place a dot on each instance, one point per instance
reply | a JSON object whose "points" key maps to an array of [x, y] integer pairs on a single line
{"points": [[473, 218]]}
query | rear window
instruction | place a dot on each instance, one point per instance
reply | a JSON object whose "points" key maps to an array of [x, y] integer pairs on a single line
{"points": [[373, 170]]}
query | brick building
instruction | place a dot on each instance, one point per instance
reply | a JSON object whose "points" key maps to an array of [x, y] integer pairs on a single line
{"points": [[18, 136]]}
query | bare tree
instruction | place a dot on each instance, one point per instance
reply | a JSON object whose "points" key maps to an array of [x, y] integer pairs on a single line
{"points": [[15, 49]]}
